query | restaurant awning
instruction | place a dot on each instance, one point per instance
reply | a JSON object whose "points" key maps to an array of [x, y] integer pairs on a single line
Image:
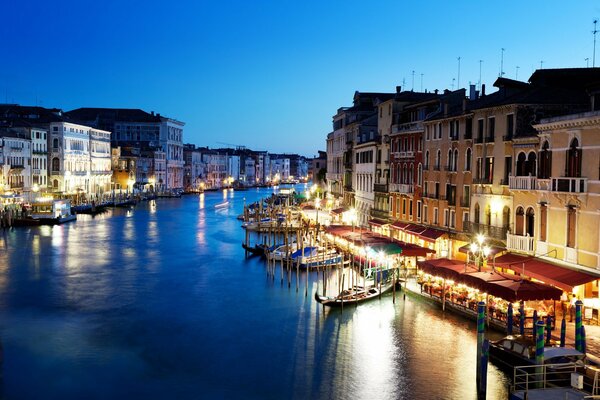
{"points": [[377, 222], [399, 225], [523, 290], [545, 271], [415, 229], [431, 234], [338, 211]]}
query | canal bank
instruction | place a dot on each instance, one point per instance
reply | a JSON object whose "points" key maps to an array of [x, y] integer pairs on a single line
{"points": [[158, 301]]}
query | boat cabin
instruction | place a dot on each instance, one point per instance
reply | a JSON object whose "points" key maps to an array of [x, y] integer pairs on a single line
{"points": [[51, 209]]}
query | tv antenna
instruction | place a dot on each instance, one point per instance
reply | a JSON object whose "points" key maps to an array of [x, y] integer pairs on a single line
{"points": [[421, 82], [458, 80], [413, 80], [587, 62], [517, 74], [594, 32], [501, 62], [480, 62]]}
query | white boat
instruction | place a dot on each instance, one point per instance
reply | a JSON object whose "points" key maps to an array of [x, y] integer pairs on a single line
{"points": [[313, 257], [281, 252], [222, 205]]}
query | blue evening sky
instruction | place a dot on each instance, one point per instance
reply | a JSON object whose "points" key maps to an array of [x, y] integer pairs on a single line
{"points": [[270, 74]]}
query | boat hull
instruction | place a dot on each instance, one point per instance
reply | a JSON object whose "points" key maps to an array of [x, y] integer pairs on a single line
{"points": [[351, 299]]}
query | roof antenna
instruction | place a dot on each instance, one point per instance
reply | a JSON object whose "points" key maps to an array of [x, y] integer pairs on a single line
{"points": [[480, 62], [501, 62], [421, 82], [542, 64], [587, 62], [594, 32], [413, 81], [517, 74], [458, 80]]}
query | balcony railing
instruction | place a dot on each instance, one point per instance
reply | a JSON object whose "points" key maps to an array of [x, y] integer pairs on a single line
{"points": [[570, 185], [16, 185], [401, 188], [483, 181], [495, 232], [381, 188], [17, 166], [454, 137], [523, 244], [35, 171], [522, 182]]}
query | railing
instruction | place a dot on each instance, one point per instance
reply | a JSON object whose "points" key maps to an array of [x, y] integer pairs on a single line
{"points": [[539, 377], [522, 182], [483, 181], [570, 185], [523, 244], [495, 232], [543, 184], [401, 188], [468, 136], [454, 137], [35, 171], [16, 185], [479, 140], [449, 168], [379, 187], [490, 139]]}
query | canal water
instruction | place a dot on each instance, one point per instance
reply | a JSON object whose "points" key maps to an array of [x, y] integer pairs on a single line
{"points": [[158, 302]]}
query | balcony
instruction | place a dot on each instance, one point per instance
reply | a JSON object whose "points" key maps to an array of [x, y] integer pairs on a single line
{"points": [[521, 244], [381, 188], [35, 172], [479, 140], [522, 182], [449, 168], [404, 154], [16, 185], [569, 185], [482, 181], [401, 188], [496, 232], [17, 166]]}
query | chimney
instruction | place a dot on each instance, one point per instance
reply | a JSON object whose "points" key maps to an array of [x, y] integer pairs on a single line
{"points": [[398, 89], [152, 113], [483, 90], [472, 92], [435, 91]]}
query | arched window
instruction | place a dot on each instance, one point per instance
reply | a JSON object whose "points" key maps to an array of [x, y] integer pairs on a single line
{"points": [[488, 215], [530, 222], [545, 158], [521, 161], [531, 164], [404, 174], [476, 212], [574, 160], [427, 159], [468, 160], [411, 175], [55, 164], [420, 175], [455, 163], [438, 157], [519, 221], [505, 217], [450, 161]]}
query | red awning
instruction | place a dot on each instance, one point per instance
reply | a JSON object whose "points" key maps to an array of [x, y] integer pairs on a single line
{"points": [[338, 211], [399, 225], [431, 234], [377, 222], [547, 272], [415, 229]]}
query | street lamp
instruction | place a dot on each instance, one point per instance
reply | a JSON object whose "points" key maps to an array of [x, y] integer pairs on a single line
{"points": [[480, 251], [352, 217], [317, 206]]}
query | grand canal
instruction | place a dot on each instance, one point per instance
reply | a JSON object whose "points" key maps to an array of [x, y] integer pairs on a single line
{"points": [[158, 302]]}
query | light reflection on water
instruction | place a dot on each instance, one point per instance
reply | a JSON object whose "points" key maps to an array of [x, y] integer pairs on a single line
{"points": [[158, 302]]}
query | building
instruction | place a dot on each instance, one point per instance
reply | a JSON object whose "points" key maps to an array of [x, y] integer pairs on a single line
{"points": [[318, 167], [15, 174], [137, 128], [193, 167]]}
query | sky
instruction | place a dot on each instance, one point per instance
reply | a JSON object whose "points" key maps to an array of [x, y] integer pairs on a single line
{"points": [[270, 75]]}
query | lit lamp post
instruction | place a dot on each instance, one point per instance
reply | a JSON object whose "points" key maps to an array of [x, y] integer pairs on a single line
{"points": [[480, 251], [352, 217], [317, 206]]}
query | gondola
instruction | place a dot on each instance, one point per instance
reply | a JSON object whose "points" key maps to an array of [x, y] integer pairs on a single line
{"points": [[355, 295]]}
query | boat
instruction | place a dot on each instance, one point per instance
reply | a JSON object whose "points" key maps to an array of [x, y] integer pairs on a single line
{"points": [[281, 252], [52, 212], [222, 204], [312, 257], [256, 250], [354, 295], [516, 350]]}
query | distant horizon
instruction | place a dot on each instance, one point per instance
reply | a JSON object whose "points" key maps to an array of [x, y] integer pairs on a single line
{"points": [[270, 76]]}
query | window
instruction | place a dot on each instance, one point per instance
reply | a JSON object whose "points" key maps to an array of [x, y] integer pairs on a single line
{"points": [[510, 125], [574, 160], [545, 158], [543, 221], [480, 130], [435, 216], [571, 226], [55, 129], [425, 213], [410, 208], [452, 218], [491, 128], [469, 128], [476, 212], [465, 217], [446, 218], [468, 160], [403, 206], [419, 205]]}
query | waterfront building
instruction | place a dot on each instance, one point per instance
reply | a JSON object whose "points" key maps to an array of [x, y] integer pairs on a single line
{"points": [[138, 128], [336, 147], [124, 162], [280, 168], [15, 160], [558, 209], [216, 168], [318, 165], [101, 164], [193, 167]]}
